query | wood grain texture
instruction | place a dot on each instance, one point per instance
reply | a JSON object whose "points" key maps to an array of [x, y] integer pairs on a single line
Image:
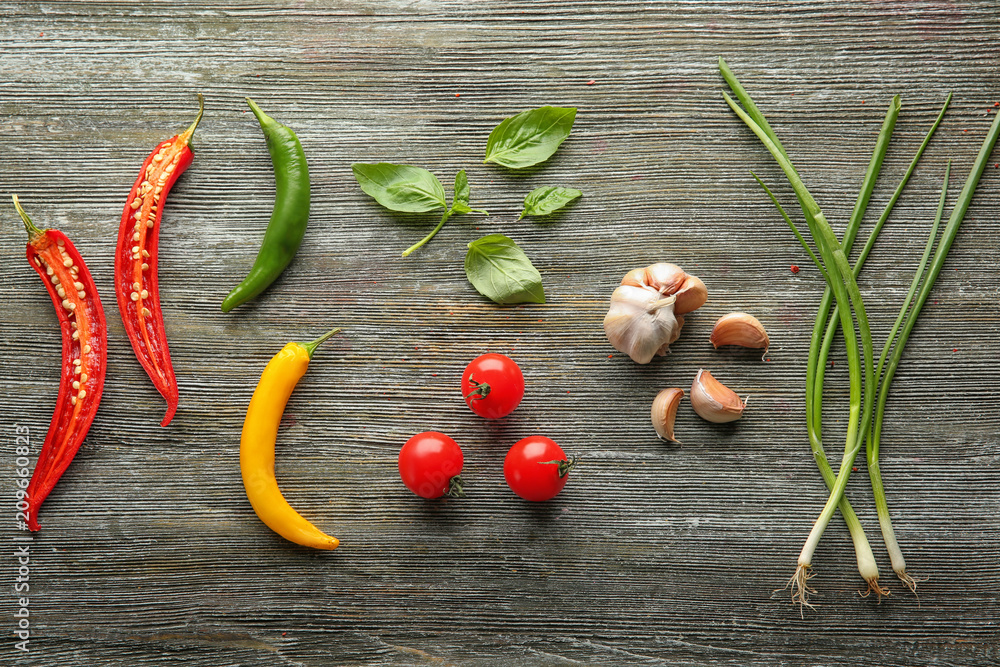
{"points": [[655, 553]]}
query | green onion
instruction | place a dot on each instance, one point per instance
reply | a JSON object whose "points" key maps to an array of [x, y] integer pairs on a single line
{"points": [[845, 289], [944, 246], [842, 287], [882, 507]]}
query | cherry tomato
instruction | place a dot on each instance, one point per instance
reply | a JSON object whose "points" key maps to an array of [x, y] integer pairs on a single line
{"points": [[536, 468], [492, 385], [430, 463]]}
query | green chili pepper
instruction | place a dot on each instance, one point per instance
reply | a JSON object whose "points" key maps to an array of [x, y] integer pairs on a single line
{"points": [[289, 217]]}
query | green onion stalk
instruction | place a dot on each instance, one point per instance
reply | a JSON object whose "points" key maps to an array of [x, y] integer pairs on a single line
{"points": [[843, 286], [841, 280], [944, 246]]}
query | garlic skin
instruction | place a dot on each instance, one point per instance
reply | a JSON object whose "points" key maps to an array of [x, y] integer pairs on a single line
{"points": [[647, 309], [739, 329], [664, 411], [714, 401]]}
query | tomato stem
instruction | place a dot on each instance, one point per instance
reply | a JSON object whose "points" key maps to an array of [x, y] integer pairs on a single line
{"points": [[455, 487], [481, 391], [564, 465]]}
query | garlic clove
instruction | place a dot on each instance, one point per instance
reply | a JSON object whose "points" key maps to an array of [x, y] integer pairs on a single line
{"points": [[692, 295], [664, 411], [714, 401], [739, 329], [664, 277]]}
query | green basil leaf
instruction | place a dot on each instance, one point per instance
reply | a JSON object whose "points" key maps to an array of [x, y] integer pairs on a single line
{"points": [[461, 195], [529, 137], [499, 270], [545, 200], [400, 187]]}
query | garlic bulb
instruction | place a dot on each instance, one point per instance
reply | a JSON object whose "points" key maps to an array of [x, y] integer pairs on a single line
{"points": [[739, 329], [647, 309], [714, 401], [664, 412]]}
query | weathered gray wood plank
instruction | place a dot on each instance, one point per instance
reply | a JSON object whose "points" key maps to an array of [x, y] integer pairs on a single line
{"points": [[654, 553]]}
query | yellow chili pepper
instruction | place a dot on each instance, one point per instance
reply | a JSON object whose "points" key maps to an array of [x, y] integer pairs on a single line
{"points": [[260, 430]]}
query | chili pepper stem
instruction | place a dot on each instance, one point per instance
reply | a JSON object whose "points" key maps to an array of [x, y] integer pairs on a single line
{"points": [[310, 347], [262, 117], [421, 242], [29, 226], [186, 135]]}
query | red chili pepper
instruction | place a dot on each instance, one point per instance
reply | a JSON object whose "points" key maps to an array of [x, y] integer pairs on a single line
{"points": [[84, 355], [136, 285]]}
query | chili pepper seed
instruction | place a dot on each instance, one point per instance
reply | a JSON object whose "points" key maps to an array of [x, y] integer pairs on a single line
{"points": [[134, 296], [86, 349], [84, 377], [76, 384], [72, 400], [144, 294], [146, 312], [67, 262], [145, 267], [76, 335]]}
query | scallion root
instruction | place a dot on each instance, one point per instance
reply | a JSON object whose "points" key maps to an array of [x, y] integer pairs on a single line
{"points": [[909, 580], [873, 587], [801, 590]]}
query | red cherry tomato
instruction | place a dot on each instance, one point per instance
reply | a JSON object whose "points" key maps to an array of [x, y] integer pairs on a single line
{"points": [[492, 385], [536, 468], [430, 463]]}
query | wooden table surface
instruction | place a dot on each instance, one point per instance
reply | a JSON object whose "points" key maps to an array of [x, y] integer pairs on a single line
{"points": [[655, 553]]}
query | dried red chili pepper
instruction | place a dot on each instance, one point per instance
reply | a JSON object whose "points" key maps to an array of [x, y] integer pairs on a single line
{"points": [[84, 355], [136, 286]]}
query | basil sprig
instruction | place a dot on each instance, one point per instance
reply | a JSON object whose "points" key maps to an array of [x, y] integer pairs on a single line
{"points": [[499, 270], [530, 137], [402, 187], [545, 200]]}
